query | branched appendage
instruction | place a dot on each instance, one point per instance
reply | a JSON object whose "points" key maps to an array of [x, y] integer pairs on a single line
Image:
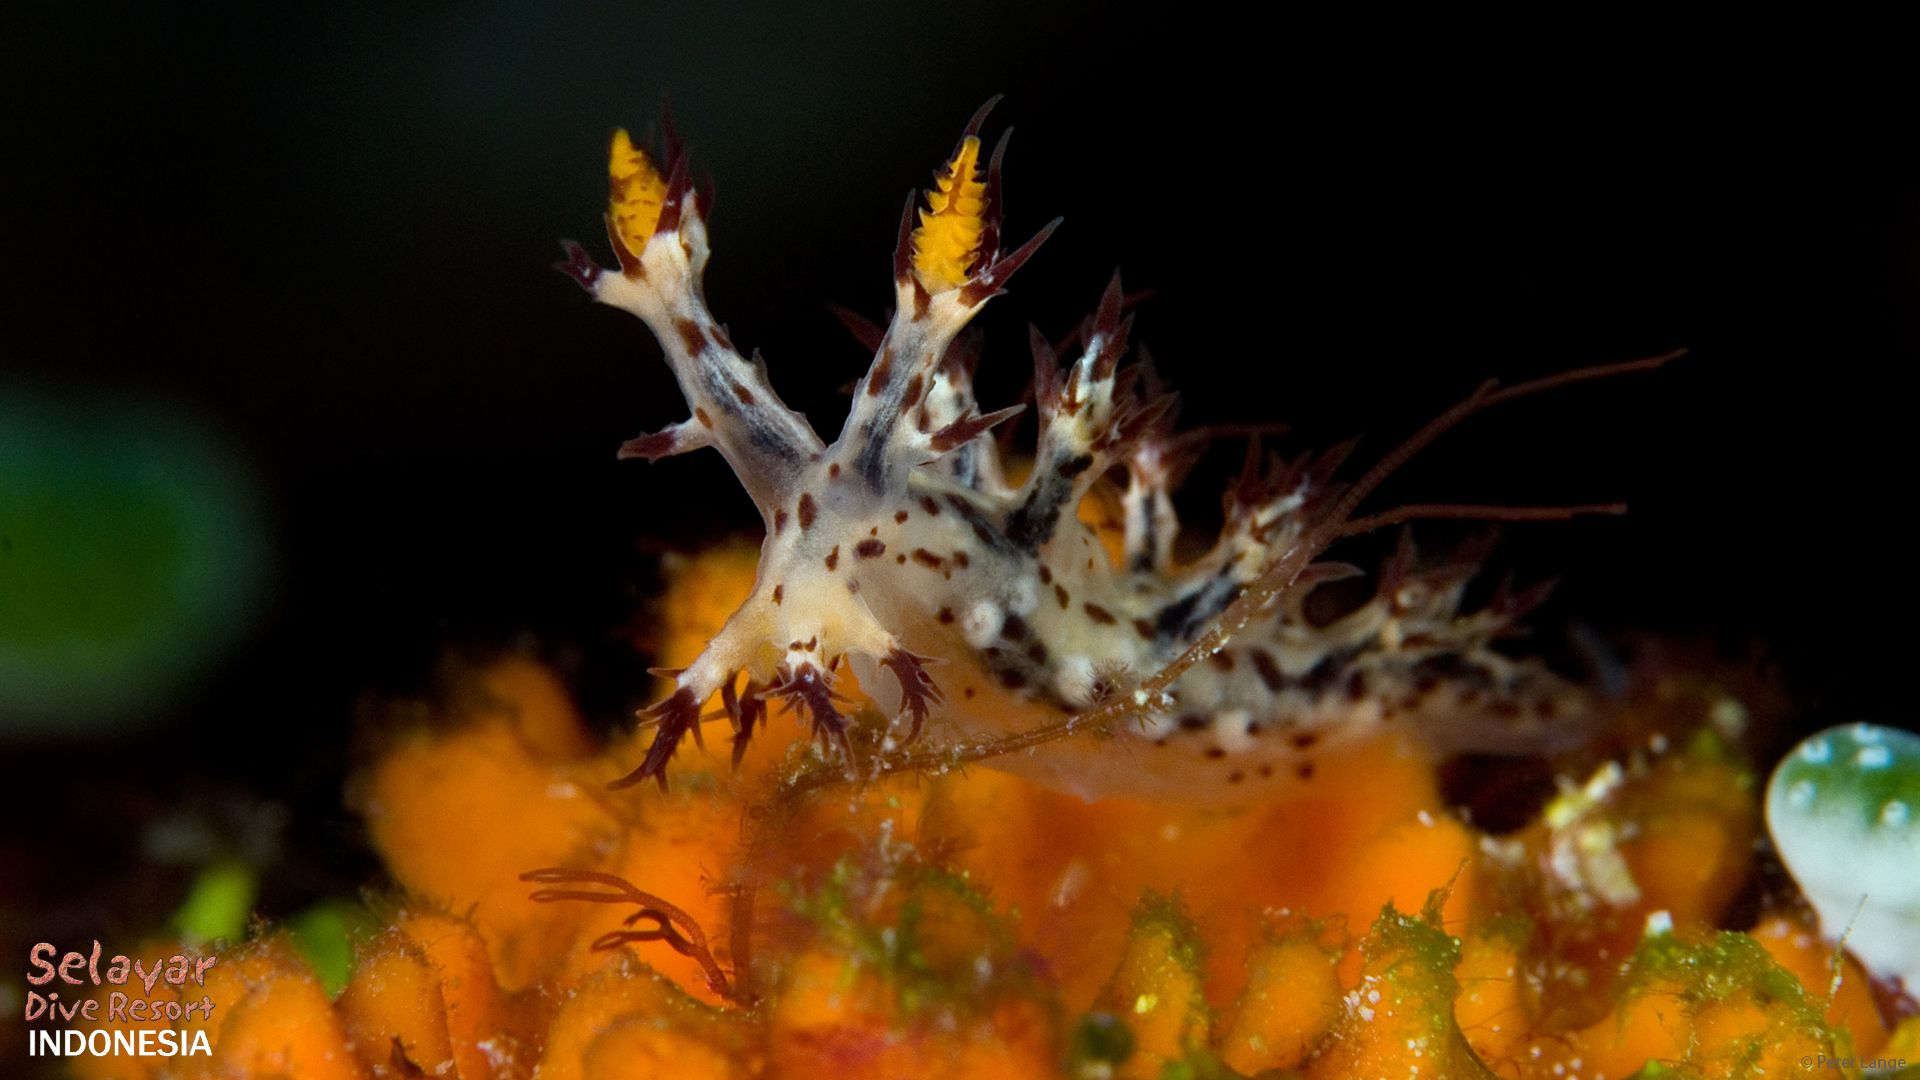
{"points": [[824, 507], [918, 693], [808, 690], [670, 924]]}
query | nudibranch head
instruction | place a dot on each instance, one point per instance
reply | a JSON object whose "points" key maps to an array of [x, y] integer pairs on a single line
{"points": [[1844, 811]]}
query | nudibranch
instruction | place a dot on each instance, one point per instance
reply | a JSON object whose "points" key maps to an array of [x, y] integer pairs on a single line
{"points": [[968, 595]]}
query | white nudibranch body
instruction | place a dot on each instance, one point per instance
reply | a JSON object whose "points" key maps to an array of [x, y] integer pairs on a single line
{"points": [[904, 540], [1841, 811]]}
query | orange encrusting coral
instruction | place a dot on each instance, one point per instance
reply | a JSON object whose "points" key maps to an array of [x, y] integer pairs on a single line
{"points": [[974, 924], [277, 1020]]}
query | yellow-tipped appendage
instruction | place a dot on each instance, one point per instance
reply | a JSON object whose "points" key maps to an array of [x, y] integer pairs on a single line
{"points": [[947, 243], [637, 192]]}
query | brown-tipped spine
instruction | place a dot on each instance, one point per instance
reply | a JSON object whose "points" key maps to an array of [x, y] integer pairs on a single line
{"points": [[964, 430], [990, 280], [676, 716], [578, 265], [918, 694]]}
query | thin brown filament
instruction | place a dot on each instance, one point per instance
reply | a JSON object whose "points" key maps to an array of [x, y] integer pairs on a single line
{"points": [[1473, 512], [680, 931]]}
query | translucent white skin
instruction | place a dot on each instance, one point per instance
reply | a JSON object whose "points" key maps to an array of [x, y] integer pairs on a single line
{"points": [[1844, 811], [901, 542]]}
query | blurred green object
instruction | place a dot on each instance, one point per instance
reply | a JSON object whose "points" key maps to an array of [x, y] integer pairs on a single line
{"points": [[132, 555], [324, 934], [218, 904]]}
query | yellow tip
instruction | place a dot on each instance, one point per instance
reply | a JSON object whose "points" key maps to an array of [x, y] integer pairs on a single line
{"points": [[637, 192], [947, 243]]}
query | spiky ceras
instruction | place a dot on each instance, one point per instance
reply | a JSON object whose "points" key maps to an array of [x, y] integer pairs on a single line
{"points": [[905, 536]]}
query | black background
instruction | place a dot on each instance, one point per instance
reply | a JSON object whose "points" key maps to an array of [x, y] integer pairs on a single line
{"points": [[330, 231]]}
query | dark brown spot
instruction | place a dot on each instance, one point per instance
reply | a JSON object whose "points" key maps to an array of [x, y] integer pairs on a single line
{"points": [[966, 692], [870, 549], [882, 371], [927, 558], [1060, 594], [720, 335], [1143, 628], [807, 510], [701, 415], [914, 386], [1356, 685], [1193, 722], [1037, 652], [960, 560], [833, 557], [1222, 660], [875, 531], [1545, 708], [745, 395], [900, 517], [1214, 753], [1505, 709], [901, 559], [1046, 575], [932, 508], [1266, 771], [1014, 628], [1098, 614], [833, 470], [779, 593], [1304, 770], [1012, 680], [779, 520], [1236, 776], [945, 615], [691, 335], [1301, 740], [1269, 671]]}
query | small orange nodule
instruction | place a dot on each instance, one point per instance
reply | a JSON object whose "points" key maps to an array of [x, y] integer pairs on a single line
{"points": [[1292, 999], [1799, 949], [277, 1020], [947, 243]]}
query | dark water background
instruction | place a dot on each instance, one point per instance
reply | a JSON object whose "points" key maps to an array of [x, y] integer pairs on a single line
{"points": [[327, 232]]}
